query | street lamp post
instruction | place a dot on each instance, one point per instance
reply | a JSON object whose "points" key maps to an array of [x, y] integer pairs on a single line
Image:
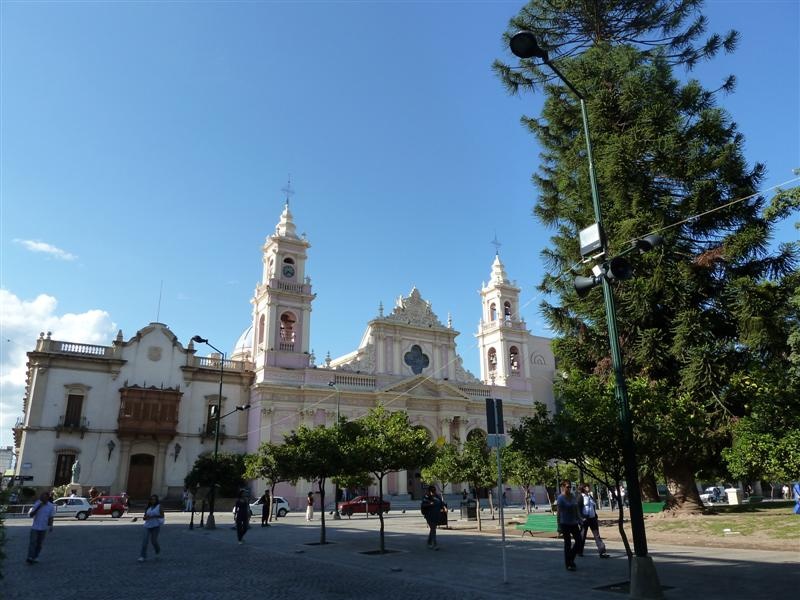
{"points": [[210, 522], [644, 579], [336, 515]]}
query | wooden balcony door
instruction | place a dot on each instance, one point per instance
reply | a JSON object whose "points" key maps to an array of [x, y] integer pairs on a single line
{"points": [[140, 476]]}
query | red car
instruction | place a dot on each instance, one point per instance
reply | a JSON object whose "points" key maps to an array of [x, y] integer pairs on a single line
{"points": [[364, 504], [115, 506]]}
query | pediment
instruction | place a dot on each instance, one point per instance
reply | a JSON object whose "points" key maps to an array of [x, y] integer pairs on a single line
{"points": [[424, 387]]}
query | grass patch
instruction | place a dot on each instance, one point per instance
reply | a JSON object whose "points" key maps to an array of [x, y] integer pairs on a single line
{"points": [[754, 521]]}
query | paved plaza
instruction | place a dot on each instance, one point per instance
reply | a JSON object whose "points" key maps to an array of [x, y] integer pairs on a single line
{"points": [[97, 559]]}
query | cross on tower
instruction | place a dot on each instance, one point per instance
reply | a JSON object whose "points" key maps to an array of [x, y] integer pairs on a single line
{"points": [[496, 244], [288, 190]]}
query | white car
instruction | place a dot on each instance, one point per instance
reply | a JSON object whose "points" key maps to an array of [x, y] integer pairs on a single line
{"points": [[78, 508], [280, 507], [713, 494]]}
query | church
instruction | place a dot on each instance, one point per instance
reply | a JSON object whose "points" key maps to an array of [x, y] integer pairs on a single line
{"points": [[135, 415]]}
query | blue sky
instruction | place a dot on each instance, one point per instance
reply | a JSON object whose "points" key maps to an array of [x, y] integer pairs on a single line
{"points": [[145, 142]]}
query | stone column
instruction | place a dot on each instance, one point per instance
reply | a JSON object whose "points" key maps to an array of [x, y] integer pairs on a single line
{"points": [[121, 480]]}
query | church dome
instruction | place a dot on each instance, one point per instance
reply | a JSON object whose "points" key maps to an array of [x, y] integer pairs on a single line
{"points": [[243, 349]]}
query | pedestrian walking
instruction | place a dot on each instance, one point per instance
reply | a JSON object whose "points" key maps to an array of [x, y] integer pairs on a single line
{"points": [[587, 509], [785, 491], [153, 520], [265, 508], [432, 507], [310, 507], [568, 523], [42, 513], [189, 500], [241, 514]]}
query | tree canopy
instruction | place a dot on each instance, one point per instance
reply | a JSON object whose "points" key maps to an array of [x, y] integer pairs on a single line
{"points": [[668, 159]]}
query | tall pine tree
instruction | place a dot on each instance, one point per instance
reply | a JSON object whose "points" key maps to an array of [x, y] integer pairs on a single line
{"points": [[668, 159]]}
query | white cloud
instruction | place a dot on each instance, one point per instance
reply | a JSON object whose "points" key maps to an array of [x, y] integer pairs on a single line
{"points": [[21, 322], [37, 246]]}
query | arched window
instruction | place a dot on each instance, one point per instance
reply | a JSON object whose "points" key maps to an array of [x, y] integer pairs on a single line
{"points": [[261, 330], [492, 356], [492, 312], [513, 359], [507, 311], [287, 327]]}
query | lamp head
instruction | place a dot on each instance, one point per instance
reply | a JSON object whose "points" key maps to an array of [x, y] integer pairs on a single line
{"points": [[524, 45], [584, 284], [619, 268], [198, 340], [648, 242]]}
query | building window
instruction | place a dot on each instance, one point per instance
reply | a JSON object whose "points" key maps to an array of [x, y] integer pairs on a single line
{"points": [[507, 311], [514, 359], [261, 329], [492, 356], [64, 464], [287, 327], [211, 419], [72, 418], [492, 312]]}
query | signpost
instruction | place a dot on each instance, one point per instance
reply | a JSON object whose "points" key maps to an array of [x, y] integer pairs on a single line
{"points": [[496, 432]]}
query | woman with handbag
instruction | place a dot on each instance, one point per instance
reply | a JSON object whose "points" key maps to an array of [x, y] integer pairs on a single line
{"points": [[153, 520]]}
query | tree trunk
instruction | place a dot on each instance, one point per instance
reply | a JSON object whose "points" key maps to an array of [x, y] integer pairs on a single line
{"points": [[683, 495], [322, 539], [380, 508], [477, 506], [649, 486]]}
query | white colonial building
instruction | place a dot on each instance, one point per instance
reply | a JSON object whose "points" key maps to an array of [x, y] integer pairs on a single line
{"points": [[135, 415]]}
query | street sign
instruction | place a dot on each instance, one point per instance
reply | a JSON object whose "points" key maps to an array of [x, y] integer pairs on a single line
{"points": [[494, 406]]}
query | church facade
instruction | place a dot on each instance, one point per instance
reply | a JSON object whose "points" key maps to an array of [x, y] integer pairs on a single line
{"points": [[134, 416]]}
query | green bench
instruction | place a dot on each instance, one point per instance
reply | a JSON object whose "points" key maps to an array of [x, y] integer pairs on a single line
{"points": [[545, 523], [652, 507]]}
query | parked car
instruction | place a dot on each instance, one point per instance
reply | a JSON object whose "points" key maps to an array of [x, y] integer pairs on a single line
{"points": [[78, 508], [280, 507], [715, 493], [116, 506], [364, 504]]}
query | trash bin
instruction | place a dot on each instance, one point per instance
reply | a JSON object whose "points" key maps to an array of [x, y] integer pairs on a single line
{"points": [[469, 510], [734, 495]]}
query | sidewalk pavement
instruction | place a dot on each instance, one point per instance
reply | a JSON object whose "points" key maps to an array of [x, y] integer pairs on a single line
{"points": [[285, 560]]}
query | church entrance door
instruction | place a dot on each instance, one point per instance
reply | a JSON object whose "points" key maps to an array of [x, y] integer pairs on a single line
{"points": [[140, 476]]}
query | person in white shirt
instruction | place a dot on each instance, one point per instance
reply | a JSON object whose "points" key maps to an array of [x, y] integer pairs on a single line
{"points": [[587, 509], [42, 513], [153, 520]]}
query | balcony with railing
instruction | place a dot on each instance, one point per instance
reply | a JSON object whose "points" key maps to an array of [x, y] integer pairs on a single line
{"points": [[71, 424], [148, 412], [45, 344]]}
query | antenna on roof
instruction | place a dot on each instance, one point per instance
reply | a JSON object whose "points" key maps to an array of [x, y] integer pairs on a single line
{"points": [[158, 310]]}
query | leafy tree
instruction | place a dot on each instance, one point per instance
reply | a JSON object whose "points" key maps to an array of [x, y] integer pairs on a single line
{"points": [[667, 159], [388, 443], [318, 454], [521, 471], [266, 464], [446, 466], [227, 471]]}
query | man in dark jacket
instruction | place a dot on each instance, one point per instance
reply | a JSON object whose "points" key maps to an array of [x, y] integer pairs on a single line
{"points": [[432, 508]]}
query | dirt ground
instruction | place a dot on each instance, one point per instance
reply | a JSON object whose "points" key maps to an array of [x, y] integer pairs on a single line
{"points": [[764, 532]]}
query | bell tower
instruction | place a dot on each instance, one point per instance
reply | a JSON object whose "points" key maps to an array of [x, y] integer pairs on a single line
{"points": [[502, 333], [282, 301]]}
